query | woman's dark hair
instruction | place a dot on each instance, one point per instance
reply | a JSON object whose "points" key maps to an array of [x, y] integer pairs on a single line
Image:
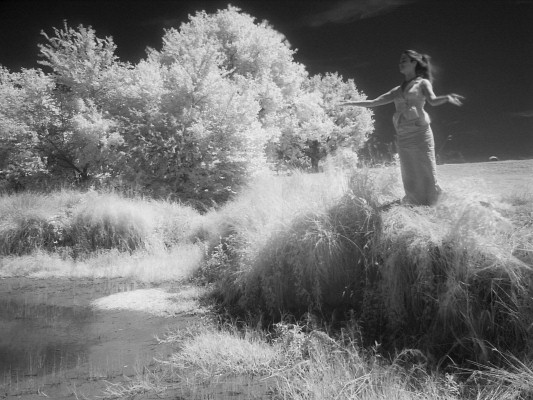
{"points": [[423, 65]]}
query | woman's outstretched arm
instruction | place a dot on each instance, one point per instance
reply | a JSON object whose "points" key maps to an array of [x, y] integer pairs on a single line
{"points": [[434, 100], [385, 98]]}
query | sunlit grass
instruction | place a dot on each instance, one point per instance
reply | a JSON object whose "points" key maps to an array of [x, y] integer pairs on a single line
{"points": [[302, 364], [452, 281], [178, 263], [222, 353], [74, 234]]}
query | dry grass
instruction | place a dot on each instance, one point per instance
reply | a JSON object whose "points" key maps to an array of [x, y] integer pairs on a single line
{"points": [[97, 234], [452, 280], [299, 364]]}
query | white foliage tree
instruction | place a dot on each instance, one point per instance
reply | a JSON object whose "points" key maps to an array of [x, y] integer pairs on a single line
{"points": [[25, 107], [82, 136], [218, 87], [192, 119]]}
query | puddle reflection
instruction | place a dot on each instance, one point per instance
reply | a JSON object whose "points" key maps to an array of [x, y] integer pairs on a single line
{"points": [[49, 334], [39, 339], [48, 328]]}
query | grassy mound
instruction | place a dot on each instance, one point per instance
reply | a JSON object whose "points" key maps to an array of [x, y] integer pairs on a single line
{"points": [[317, 262], [453, 280], [449, 282]]}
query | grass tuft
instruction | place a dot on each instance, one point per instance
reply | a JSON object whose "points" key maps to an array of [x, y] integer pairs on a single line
{"points": [[99, 235], [453, 280]]}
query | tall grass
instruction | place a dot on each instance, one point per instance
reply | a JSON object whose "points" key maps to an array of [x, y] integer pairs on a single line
{"points": [[97, 234], [453, 280], [298, 363], [30, 221], [289, 243]]}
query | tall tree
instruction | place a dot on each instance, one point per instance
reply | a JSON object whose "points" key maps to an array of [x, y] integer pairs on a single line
{"points": [[24, 105], [192, 119], [81, 136], [216, 91], [315, 127]]}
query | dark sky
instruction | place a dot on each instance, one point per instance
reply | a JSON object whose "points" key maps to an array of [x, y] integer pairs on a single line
{"points": [[482, 49]]}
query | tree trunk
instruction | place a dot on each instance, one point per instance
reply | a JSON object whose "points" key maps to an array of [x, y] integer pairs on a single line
{"points": [[83, 175], [314, 154]]}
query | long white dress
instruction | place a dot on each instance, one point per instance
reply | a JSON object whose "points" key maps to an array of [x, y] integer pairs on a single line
{"points": [[416, 145]]}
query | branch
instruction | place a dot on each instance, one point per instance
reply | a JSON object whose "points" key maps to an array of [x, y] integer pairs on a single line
{"points": [[62, 155]]}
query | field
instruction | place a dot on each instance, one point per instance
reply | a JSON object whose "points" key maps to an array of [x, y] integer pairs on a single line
{"points": [[302, 287]]}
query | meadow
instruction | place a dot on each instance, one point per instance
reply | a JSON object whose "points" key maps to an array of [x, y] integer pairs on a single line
{"points": [[316, 289]]}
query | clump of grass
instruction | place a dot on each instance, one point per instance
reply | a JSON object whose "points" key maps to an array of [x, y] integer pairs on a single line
{"points": [[72, 233], [449, 282], [297, 243], [445, 279], [107, 222], [90, 221], [317, 262], [110, 221], [220, 353], [177, 263], [30, 221], [296, 362]]}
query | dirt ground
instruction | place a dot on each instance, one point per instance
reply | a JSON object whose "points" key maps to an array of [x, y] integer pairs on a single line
{"points": [[73, 338]]}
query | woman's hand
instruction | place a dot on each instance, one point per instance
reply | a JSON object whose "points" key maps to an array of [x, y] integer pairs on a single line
{"points": [[455, 99]]}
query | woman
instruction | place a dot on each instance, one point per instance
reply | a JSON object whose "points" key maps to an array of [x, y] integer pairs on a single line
{"points": [[415, 143]]}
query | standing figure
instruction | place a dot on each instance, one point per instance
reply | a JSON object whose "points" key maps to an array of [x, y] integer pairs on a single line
{"points": [[414, 138]]}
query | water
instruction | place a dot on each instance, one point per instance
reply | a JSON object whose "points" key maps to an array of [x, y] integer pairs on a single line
{"points": [[53, 343], [40, 339], [48, 329]]}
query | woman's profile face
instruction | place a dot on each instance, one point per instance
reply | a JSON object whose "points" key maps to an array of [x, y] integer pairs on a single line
{"points": [[407, 65]]}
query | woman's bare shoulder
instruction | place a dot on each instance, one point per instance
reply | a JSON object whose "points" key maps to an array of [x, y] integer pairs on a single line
{"points": [[426, 82]]}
